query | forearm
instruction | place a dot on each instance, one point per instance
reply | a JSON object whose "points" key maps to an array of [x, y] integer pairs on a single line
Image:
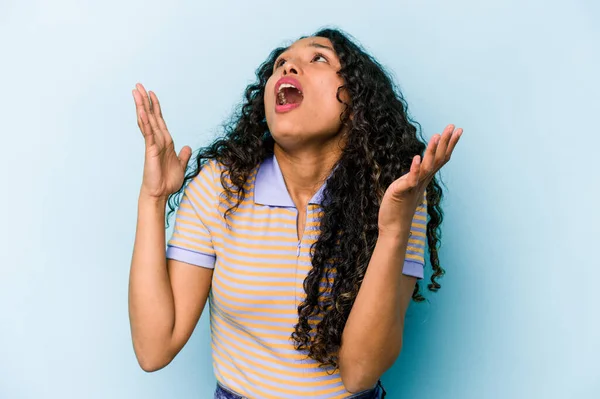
{"points": [[372, 337], [151, 304]]}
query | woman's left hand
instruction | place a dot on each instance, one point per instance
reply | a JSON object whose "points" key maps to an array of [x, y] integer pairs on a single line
{"points": [[405, 194]]}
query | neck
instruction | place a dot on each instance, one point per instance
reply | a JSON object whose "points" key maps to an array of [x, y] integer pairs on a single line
{"points": [[305, 171]]}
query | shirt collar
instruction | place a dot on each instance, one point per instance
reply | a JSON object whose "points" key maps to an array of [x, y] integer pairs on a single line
{"points": [[270, 189]]}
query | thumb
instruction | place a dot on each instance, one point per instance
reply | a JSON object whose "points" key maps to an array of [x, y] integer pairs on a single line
{"points": [[408, 181], [184, 156], [415, 168]]}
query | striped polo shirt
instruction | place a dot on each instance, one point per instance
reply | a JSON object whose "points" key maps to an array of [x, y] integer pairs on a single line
{"points": [[259, 268]]}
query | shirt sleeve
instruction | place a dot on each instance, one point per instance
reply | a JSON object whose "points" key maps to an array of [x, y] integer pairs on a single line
{"points": [[191, 241], [414, 261]]}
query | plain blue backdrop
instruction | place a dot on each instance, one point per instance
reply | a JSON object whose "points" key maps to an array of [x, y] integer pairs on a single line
{"points": [[517, 315]]}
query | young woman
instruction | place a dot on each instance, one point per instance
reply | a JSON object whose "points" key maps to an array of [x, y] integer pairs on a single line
{"points": [[305, 225]]}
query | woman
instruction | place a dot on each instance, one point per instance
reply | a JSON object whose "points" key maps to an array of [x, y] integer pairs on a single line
{"points": [[305, 225]]}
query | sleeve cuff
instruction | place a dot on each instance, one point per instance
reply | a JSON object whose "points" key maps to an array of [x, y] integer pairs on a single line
{"points": [[191, 257], [412, 268]]}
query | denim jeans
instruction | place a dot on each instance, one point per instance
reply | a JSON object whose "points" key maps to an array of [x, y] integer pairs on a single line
{"points": [[376, 393]]}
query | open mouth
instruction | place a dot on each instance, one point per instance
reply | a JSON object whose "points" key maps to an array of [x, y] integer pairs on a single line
{"points": [[288, 94]]}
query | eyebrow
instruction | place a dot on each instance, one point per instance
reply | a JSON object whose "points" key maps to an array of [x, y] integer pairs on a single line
{"points": [[312, 44], [318, 45]]}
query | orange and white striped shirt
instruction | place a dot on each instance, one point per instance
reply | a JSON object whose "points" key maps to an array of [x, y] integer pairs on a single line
{"points": [[259, 267]]}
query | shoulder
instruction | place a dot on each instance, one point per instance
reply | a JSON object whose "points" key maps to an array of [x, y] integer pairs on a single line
{"points": [[209, 173]]}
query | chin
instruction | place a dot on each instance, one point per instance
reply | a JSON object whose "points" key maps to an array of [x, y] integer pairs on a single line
{"points": [[290, 134], [288, 139], [285, 129]]}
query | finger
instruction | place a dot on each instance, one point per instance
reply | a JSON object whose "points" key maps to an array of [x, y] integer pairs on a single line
{"points": [[440, 153], [428, 158], [159, 118], [155, 104], [453, 141], [142, 119], [149, 111]]}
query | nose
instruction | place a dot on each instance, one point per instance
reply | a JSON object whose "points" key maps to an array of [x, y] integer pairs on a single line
{"points": [[290, 67]]}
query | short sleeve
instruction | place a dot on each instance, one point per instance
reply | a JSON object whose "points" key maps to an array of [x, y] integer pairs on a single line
{"points": [[191, 241], [414, 261]]}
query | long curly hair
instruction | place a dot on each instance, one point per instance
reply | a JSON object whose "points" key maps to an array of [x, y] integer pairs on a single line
{"points": [[381, 142]]}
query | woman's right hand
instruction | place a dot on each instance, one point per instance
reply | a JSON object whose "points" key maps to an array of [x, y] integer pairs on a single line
{"points": [[164, 170]]}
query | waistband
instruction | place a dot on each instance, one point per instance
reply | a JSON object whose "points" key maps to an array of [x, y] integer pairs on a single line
{"points": [[374, 393]]}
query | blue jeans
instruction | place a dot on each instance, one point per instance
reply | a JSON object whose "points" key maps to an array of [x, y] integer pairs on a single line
{"points": [[376, 393]]}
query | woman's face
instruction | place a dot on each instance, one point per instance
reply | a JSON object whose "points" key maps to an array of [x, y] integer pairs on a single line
{"points": [[300, 97]]}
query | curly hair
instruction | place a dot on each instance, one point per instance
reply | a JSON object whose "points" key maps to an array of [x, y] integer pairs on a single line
{"points": [[381, 142]]}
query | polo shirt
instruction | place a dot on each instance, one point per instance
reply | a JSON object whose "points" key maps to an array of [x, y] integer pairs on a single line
{"points": [[259, 269]]}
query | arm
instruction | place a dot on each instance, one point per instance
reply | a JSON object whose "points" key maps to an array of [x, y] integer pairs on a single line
{"points": [[372, 337], [166, 297]]}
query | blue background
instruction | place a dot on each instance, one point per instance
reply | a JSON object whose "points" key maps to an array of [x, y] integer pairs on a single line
{"points": [[517, 315]]}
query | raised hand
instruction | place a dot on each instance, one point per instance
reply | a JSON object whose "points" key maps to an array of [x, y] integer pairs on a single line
{"points": [[404, 195], [164, 170]]}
